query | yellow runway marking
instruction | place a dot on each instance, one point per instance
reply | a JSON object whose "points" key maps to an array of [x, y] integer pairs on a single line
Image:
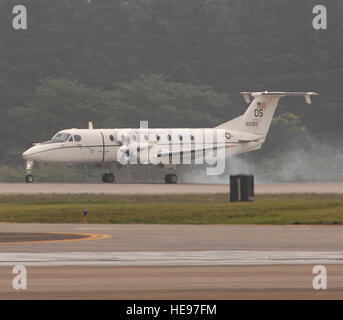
{"points": [[85, 236]]}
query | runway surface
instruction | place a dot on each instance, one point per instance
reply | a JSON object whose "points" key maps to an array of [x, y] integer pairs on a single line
{"points": [[174, 262], [70, 188], [171, 258], [155, 283], [162, 238]]}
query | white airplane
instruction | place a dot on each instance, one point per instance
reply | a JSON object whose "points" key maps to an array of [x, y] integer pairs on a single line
{"points": [[105, 147]]}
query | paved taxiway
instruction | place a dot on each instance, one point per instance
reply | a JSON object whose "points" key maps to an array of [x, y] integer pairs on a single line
{"points": [[174, 261], [65, 188]]}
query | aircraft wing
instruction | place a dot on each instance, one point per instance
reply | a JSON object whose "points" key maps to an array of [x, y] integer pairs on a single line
{"points": [[241, 137], [191, 150]]}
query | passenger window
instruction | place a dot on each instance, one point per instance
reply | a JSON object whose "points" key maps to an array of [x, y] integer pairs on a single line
{"points": [[71, 139], [77, 138]]}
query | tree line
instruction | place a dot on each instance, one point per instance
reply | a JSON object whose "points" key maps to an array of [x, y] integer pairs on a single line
{"points": [[176, 63]]}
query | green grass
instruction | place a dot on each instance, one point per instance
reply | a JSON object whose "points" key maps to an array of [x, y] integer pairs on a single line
{"points": [[173, 209]]}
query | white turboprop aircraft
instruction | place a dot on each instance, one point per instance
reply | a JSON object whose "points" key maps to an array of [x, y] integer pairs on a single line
{"points": [[105, 147]]}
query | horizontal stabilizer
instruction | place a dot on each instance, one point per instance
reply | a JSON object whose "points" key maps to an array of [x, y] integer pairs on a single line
{"points": [[307, 95], [258, 116]]}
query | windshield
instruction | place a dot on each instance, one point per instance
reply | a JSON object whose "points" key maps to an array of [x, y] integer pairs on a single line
{"points": [[60, 137]]}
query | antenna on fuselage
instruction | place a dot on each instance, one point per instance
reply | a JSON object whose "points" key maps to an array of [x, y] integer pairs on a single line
{"points": [[90, 125]]}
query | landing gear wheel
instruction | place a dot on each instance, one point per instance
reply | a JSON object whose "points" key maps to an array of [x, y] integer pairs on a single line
{"points": [[104, 177], [170, 178], [29, 178], [110, 178], [173, 178], [107, 178]]}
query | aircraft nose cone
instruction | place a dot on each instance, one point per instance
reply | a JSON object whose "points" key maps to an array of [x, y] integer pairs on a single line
{"points": [[26, 154]]}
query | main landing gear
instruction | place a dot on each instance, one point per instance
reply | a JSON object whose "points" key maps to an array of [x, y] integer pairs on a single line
{"points": [[107, 178], [170, 178]]}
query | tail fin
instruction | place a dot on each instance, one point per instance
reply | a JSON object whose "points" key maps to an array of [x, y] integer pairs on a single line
{"points": [[258, 117]]}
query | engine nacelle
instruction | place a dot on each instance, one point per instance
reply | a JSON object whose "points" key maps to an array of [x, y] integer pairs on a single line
{"points": [[139, 153], [124, 155], [133, 153]]}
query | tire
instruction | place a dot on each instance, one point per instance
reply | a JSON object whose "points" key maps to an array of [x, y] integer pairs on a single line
{"points": [[170, 178], [110, 178], [173, 178], [29, 178], [167, 178], [104, 178]]}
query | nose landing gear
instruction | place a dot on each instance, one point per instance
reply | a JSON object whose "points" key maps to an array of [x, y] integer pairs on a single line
{"points": [[29, 176], [107, 178]]}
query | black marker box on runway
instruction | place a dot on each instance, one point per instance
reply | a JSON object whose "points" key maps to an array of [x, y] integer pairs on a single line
{"points": [[242, 188]]}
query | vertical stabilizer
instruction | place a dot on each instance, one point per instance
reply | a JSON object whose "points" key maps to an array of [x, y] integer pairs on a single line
{"points": [[258, 117]]}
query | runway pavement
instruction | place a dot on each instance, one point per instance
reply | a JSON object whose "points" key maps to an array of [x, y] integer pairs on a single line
{"points": [[154, 283], [162, 238], [71, 188], [173, 262]]}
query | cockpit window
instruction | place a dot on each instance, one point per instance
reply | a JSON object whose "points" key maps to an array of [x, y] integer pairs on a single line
{"points": [[77, 138], [60, 137]]}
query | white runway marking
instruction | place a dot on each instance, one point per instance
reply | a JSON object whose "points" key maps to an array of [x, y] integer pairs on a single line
{"points": [[173, 258]]}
